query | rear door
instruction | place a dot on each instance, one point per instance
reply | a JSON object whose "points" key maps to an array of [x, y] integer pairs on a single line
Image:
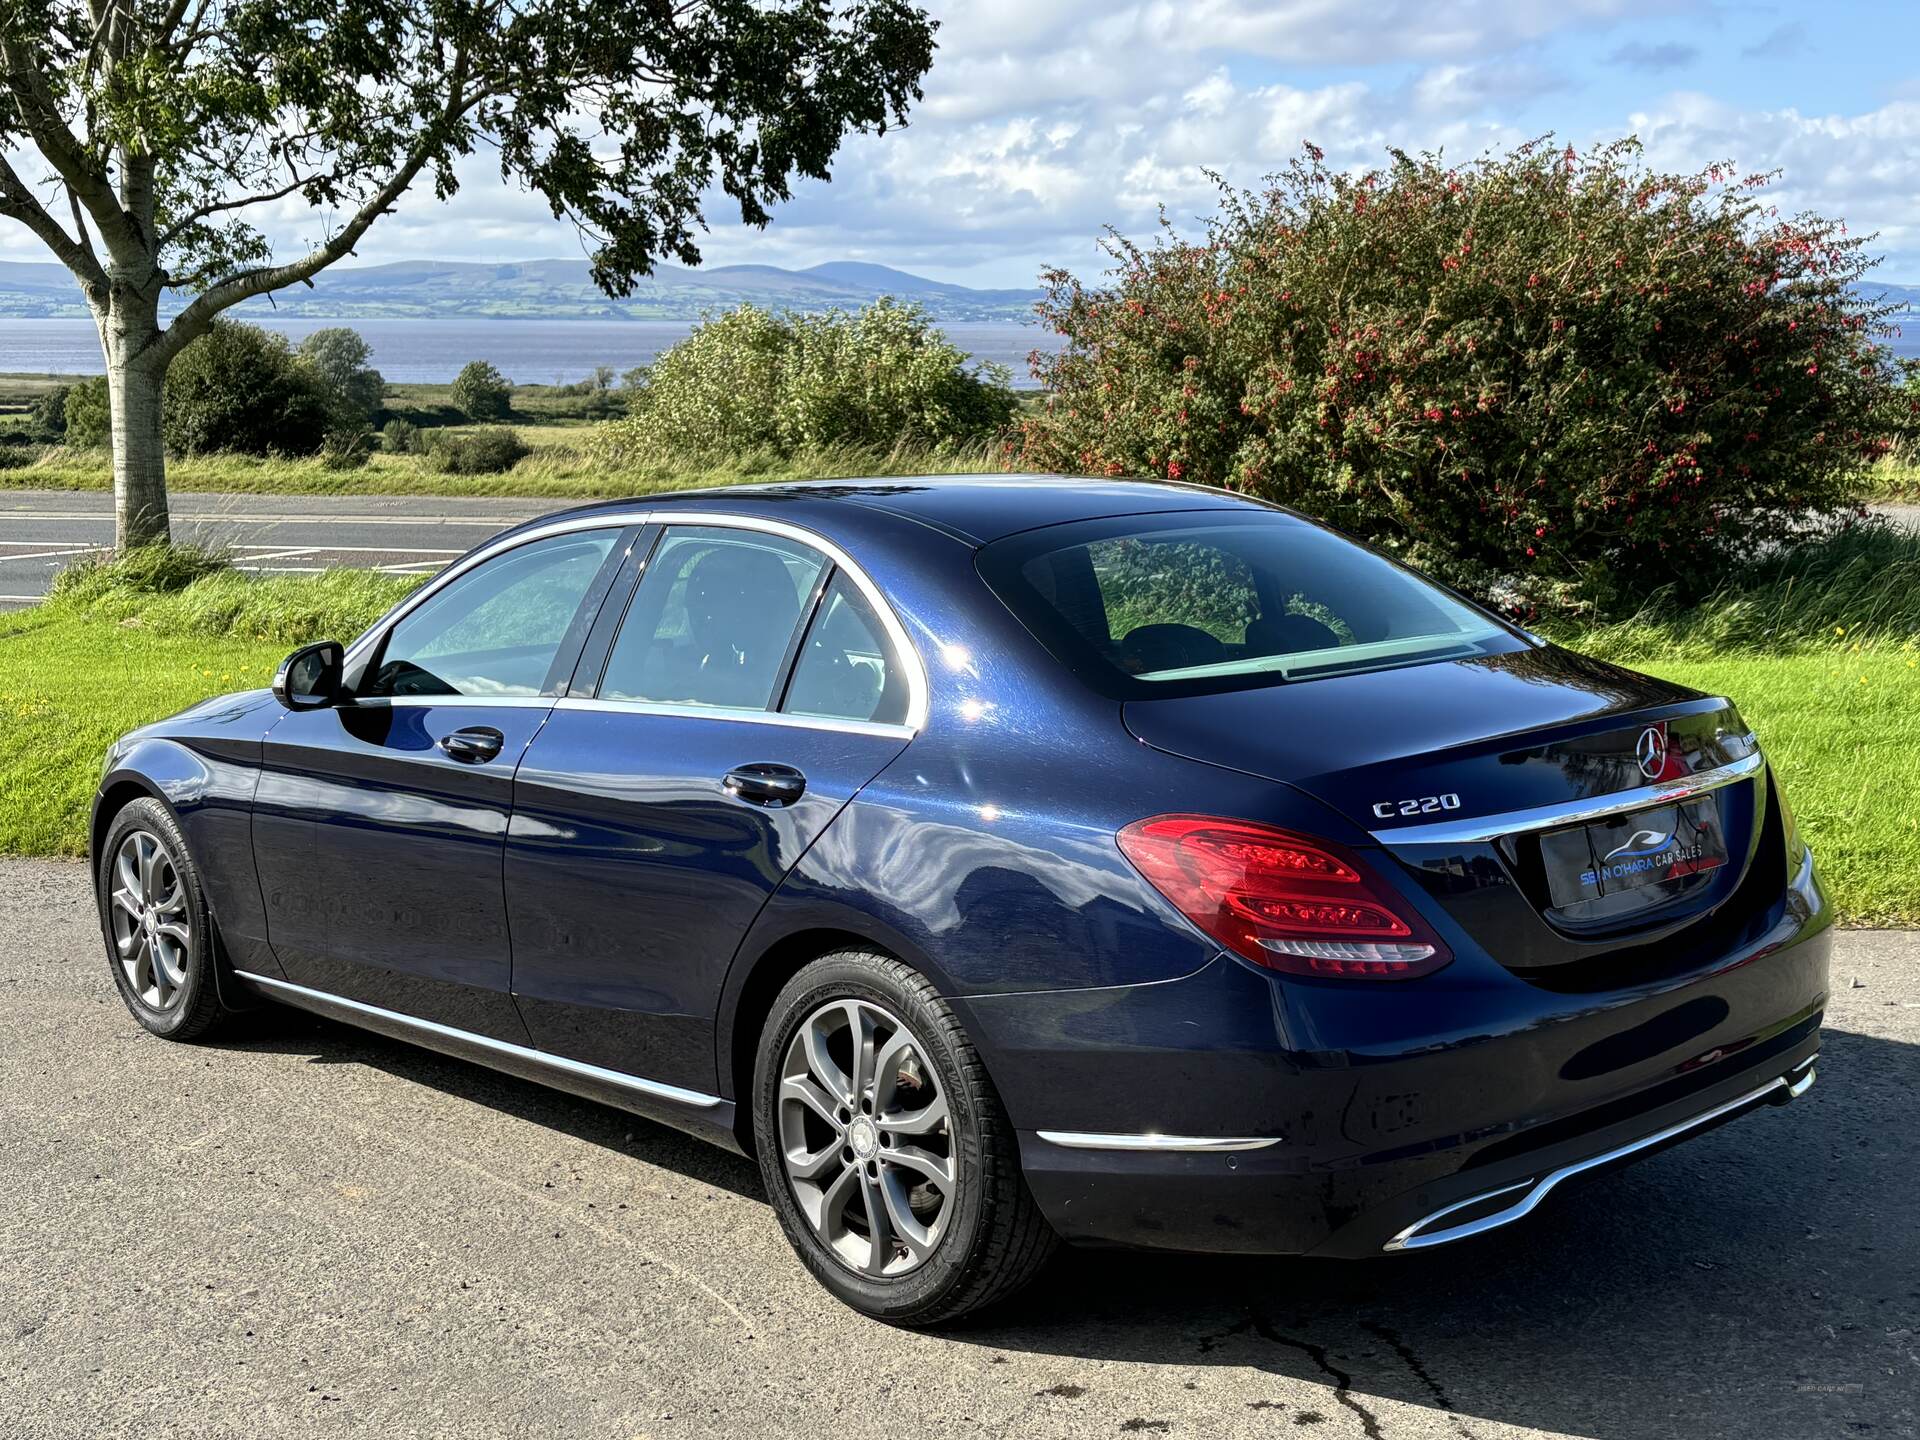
{"points": [[754, 684], [379, 824]]}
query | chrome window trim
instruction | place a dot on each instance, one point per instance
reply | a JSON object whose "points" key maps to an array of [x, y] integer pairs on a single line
{"points": [[694, 1099], [1571, 812], [1795, 1083], [421, 702], [1164, 1144], [918, 703], [750, 717]]}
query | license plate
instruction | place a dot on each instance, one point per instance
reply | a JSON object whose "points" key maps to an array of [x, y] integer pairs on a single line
{"points": [[1628, 852]]}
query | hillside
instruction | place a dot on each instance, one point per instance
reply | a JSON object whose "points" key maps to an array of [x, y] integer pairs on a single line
{"points": [[555, 290]]}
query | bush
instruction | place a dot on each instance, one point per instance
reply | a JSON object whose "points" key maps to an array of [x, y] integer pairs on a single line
{"points": [[338, 357], [89, 418], [400, 437], [349, 447], [1555, 379], [751, 379], [489, 450], [481, 392], [238, 387], [48, 417]]}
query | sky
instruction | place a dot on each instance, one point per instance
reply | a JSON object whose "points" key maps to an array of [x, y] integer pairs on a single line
{"points": [[1046, 120]]}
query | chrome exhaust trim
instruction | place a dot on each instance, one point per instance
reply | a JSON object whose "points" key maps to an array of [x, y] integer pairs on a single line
{"points": [[1418, 1236]]}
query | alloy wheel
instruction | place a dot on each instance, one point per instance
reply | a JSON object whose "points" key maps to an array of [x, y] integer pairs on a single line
{"points": [[866, 1138], [152, 931]]}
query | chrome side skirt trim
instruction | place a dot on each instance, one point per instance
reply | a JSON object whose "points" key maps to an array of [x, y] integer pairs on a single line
{"points": [[1572, 812], [1165, 1144], [301, 995], [1418, 1236]]}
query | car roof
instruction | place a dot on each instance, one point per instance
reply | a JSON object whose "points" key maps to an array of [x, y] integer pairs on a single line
{"points": [[977, 509]]}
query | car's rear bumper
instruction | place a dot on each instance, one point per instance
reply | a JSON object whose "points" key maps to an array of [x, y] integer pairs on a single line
{"points": [[1195, 1114]]}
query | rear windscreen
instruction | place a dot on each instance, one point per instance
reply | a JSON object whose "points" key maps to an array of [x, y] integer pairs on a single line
{"points": [[1151, 605]]}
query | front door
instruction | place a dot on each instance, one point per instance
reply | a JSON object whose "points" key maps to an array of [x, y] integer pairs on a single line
{"points": [[379, 824], [752, 689]]}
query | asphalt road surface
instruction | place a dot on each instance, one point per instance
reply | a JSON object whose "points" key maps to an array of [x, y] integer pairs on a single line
{"points": [[307, 1229], [42, 531]]}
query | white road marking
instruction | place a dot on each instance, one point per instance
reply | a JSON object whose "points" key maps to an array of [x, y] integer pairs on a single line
{"points": [[70, 552]]}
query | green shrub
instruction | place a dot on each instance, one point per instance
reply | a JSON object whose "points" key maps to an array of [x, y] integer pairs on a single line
{"points": [[750, 379], [338, 357], [88, 416], [400, 437], [489, 450], [48, 417], [238, 387], [349, 447], [1556, 379], [481, 392]]}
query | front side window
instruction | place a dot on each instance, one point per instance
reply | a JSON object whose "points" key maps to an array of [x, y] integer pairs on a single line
{"points": [[1151, 605], [495, 630], [847, 668], [713, 619]]}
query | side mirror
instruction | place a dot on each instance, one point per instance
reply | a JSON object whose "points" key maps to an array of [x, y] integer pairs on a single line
{"points": [[309, 678]]}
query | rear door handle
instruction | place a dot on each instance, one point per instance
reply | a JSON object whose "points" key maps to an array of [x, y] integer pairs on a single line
{"points": [[765, 784], [475, 745]]}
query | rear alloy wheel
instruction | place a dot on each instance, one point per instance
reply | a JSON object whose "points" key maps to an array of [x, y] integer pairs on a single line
{"points": [[884, 1147], [153, 914]]}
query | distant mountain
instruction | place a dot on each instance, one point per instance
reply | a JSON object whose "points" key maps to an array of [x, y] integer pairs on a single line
{"points": [[555, 290]]}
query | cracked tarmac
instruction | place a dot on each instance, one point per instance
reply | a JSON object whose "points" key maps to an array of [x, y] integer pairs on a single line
{"points": [[306, 1229]]}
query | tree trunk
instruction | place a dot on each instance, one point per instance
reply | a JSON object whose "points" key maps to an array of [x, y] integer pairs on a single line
{"points": [[134, 374]]}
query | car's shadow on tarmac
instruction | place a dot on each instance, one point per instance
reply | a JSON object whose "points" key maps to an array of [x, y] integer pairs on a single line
{"points": [[1761, 1281]]}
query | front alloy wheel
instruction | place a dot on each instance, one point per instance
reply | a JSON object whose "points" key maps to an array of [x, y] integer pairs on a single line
{"points": [[152, 932], [885, 1150], [154, 918]]}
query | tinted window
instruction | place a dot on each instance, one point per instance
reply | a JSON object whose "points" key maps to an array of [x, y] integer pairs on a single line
{"points": [[496, 629], [847, 669], [1167, 604], [713, 619]]}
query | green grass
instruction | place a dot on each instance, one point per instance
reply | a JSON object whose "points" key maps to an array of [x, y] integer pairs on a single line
{"points": [[557, 468]]}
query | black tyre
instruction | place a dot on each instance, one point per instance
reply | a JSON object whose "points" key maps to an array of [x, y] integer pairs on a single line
{"points": [[159, 934], [886, 1152]]}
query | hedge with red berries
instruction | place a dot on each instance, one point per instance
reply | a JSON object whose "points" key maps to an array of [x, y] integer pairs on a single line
{"points": [[1561, 380]]}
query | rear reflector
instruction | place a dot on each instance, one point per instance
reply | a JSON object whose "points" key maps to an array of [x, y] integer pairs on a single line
{"points": [[1285, 901]]}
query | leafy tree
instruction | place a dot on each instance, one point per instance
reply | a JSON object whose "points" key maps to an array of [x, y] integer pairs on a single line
{"points": [[49, 415], [338, 356], [165, 127], [480, 392], [752, 379], [89, 422], [239, 387], [1553, 378]]}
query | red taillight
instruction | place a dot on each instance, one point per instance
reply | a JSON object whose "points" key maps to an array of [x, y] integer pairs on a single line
{"points": [[1282, 900]]}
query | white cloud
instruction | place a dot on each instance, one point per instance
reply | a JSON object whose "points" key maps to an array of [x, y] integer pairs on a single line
{"points": [[1045, 120]]}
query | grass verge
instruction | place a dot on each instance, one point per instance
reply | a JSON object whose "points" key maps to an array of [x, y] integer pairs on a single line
{"points": [[122, 644]]}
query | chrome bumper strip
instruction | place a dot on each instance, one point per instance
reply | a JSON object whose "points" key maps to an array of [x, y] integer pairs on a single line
{"points": [[1571, 812], [322, 1000], [1168, 1144], [1417, 1236]]}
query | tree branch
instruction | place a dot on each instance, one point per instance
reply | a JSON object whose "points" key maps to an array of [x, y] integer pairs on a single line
{"points": [[193, 217], [193, 321], [17, 202], [40, 118]]}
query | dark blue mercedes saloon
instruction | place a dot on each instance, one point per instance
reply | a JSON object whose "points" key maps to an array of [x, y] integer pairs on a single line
{"points": [[1000, 861]]}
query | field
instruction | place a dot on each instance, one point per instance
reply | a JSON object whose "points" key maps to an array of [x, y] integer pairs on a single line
{"points": [[551, 420]]}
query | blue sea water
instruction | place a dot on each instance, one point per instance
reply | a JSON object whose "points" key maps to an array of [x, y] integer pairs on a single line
{"points": [[530, 352]]}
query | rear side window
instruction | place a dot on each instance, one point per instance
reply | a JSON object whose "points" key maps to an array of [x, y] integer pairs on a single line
{"points": [[1154, 605], [847, 668], [713, 619]]}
